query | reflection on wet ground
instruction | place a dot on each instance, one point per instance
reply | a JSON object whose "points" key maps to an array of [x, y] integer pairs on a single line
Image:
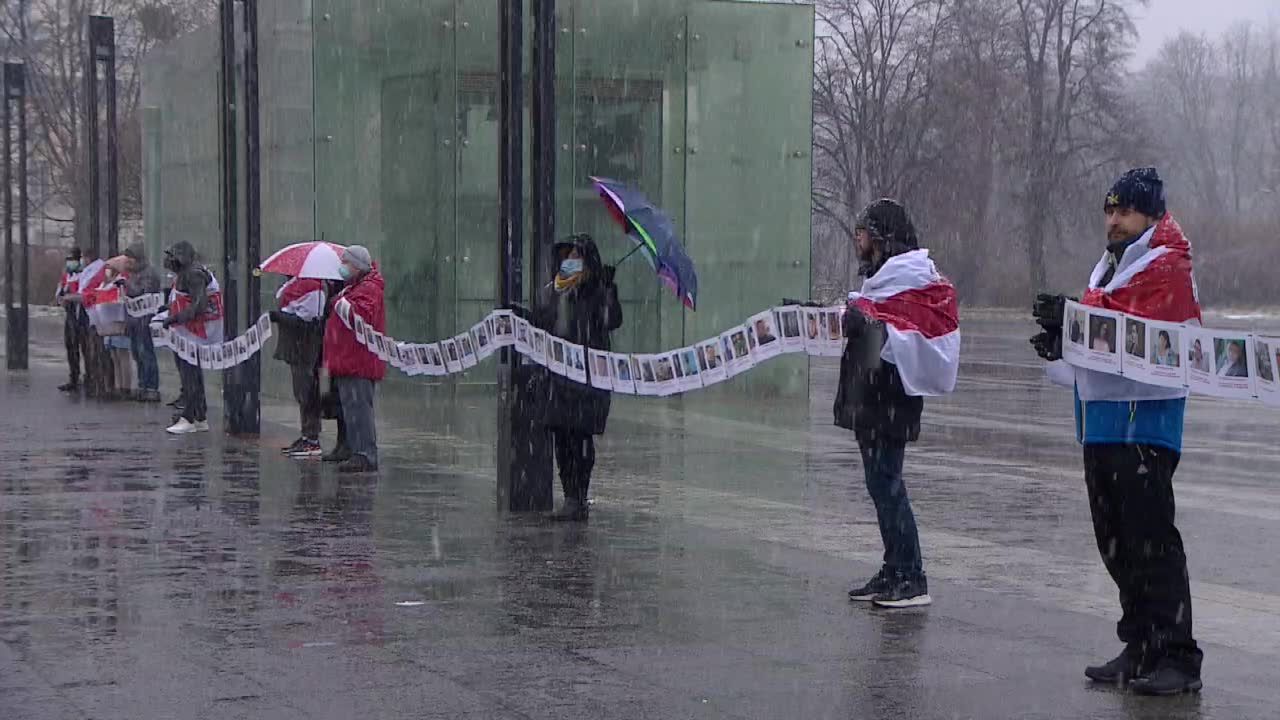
{"points": [[143, 576]]}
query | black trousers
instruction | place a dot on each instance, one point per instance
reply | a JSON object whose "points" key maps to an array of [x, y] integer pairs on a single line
{"points": [[575, 457], [99, 370], [193, 401], [1131, 500], [71, 338], [306, 391]]}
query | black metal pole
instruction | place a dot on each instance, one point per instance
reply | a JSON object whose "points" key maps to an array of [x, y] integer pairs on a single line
{"points": [[251, 408], [542, 179], [91, 138], [107, 54], [15, 332], [232, 379], [524, 450]]}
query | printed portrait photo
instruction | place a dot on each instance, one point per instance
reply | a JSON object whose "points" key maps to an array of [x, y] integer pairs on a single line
{"points": [[1164, 346], [790, 323], [1196, 358], [728, 348], [834, 329], [1135, 338], [1075, 326], [740, 347], [557, 351], [1231, 359], [482, 336], [467, 350], [647, 371], [452, 349], [712, 355], [576, 355], [601, 366], [1102, 334], [690, 361], [811, 322], [663, 370], [421, 353], [1263, 355], [504, 325]]}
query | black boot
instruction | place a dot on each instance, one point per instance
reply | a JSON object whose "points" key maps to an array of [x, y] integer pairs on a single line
{"points": [[341, 453], [1169, 678], [72, 386], [1120, 670], [573, 510]]}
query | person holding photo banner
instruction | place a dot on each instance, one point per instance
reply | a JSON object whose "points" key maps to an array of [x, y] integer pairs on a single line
{"points": [[903, 331], [354, 369], [1132, 438], [195, 314], [142, 279], [581, 306], [300, 319]]}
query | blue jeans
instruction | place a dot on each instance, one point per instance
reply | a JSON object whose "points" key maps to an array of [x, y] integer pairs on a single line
{"points": [[882, 463], [144, 353]]}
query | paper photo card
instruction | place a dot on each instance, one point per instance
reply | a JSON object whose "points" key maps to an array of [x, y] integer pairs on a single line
{"points": [[711, 361], [206, 361], [466, 350], [664, 370], [452, 356], [555, 355], [435, 360], [538, 346], [737, 347], [160, 336], [1267, 361], [763, 336], [523, 337], [1091, 338], [251, 336], [813, 328], [1152, 353], [600, 369], [787, 319], [242, 349], [688, 369], [575, 362], [503, 331], [622, 369], [1234, 363], [835, 329], [264, 328], [484, 338], [646, 374]]}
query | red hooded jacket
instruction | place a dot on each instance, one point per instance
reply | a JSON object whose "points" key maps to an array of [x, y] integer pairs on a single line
{"points": [[343, 355]]}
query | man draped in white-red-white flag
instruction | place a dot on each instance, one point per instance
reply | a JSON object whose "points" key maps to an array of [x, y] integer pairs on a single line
{"points": [[1132, 438], [903, 332]]}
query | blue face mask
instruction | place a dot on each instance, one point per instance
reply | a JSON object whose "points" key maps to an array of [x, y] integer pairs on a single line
{"points": [[570, 266], [346, 272], [73, 265]]}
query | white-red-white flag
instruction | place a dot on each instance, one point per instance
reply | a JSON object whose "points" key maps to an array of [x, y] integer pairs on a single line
{"points": [[922, 316]]}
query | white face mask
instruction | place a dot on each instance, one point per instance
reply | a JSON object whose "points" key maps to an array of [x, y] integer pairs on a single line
{"points": [[570, 266]]}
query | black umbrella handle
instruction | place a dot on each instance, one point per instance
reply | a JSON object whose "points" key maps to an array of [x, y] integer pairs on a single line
{"points": [[624, 257]]}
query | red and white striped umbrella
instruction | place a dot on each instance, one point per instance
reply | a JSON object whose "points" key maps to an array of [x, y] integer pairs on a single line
{"points": [[319, 260]]}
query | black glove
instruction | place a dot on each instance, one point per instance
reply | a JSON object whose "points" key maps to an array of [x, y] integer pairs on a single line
{"points": [[1048, 344], [609, 273], [801, 303], [166, 323], [275, 316], [519, 310], [855, 323], [1050, 310]]}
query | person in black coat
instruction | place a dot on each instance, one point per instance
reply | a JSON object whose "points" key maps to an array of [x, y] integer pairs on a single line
{"points": [[872, 402], [580, 305]]}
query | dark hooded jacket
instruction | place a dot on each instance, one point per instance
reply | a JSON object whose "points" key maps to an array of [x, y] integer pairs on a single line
{"points": [[190, 277], [870, 398], [584, 315]]}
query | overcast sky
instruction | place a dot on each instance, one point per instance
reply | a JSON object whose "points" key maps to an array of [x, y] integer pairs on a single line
{"points": [[1163, 19]]}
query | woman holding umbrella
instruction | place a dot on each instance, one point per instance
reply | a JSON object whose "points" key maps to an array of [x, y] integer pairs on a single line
{"points": [[581, 306]]}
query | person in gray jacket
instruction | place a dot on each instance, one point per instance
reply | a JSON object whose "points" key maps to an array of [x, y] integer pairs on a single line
{"points": [[142, 279]]}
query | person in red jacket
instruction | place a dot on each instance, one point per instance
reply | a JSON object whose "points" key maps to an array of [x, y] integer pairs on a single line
{"points": [[353, 368]]}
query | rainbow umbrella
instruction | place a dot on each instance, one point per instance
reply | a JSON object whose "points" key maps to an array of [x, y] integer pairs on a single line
{"points": [[655, 235]]}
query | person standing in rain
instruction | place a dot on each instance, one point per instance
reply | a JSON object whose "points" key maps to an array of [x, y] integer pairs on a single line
{"points": [[299, 318], [355, 369], [903, 344], [142, 279], [195, 312], [1132, 438], [69, 285], [580, 306]]}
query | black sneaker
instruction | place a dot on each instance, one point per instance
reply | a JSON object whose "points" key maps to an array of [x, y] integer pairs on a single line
{"points": [[69, 387], [306, 447], [1120, 670], [877, 585], [1169, 678], [905, 594], [337, 455], [288, 449], [573, 510]]}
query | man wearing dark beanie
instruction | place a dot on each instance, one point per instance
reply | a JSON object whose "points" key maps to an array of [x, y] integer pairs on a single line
{"points": [[1132, 438]]}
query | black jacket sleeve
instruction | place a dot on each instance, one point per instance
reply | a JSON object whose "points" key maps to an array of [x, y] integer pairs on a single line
{"points": [[194, 282]]}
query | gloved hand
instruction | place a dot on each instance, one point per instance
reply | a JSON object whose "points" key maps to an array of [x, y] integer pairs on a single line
{"points": [[855, 323], [274, 315], [1048, 344], [609, 273], [1049, 310]]}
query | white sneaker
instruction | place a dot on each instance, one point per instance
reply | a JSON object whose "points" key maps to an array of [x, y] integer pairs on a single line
{"points": [[183, 427]]}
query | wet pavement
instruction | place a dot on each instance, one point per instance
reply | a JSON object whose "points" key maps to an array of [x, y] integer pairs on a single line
{"points": [[144, 576]]}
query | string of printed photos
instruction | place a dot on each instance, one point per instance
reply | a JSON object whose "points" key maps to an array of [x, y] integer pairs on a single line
{"points": [[1221, 363], [214, 356], [144, 305], [767, 334]]}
